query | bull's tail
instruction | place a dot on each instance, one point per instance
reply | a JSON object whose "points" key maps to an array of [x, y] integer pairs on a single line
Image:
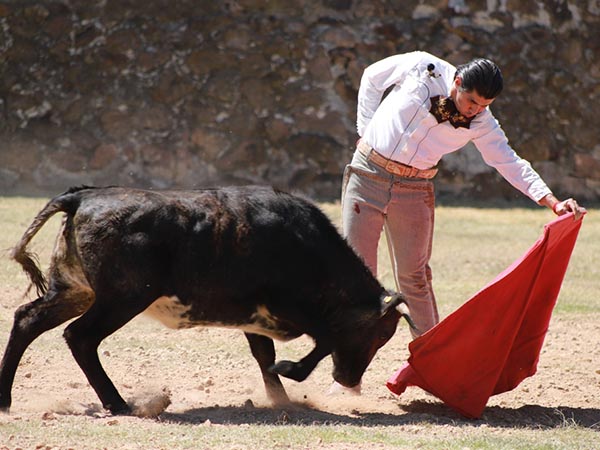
{"points": [[28, 260]]}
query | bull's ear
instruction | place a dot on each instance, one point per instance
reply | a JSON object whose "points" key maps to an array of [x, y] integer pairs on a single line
{"points": [[389, 301]]}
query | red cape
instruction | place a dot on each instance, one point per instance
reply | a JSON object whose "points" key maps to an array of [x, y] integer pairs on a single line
{"points": [[493, 342]]}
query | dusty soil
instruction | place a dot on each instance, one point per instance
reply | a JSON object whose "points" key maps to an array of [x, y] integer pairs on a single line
{"points": [[208, 375]]}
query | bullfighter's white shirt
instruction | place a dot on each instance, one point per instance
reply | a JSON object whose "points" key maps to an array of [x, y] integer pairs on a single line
{"points": [[402, 129]]}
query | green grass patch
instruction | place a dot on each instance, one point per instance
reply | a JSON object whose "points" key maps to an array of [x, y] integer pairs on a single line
{"points": [[67, 432]]}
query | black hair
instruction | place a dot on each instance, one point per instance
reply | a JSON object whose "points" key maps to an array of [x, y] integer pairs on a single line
{"points": [[481, 75]]}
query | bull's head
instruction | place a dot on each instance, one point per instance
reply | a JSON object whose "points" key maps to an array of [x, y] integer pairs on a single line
{"points": [[367, 333]]}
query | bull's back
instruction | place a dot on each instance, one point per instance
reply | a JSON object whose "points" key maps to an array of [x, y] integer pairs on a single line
{"points": [[240, 235], [230, 257], [250, 258]]}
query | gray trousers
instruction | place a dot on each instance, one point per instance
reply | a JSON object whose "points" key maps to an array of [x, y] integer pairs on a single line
{"points": [[374, 200]]}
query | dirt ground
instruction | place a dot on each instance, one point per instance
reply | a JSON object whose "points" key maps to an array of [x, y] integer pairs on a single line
{"points": [[208, 376]]}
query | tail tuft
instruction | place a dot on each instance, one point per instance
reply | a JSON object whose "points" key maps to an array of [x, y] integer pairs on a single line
{"points": [[28, 260], [30, 264]]}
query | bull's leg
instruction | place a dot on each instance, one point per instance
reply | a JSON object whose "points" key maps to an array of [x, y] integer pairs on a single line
{"points": [[84, 336], [30, 321], [263, 351], [300, 370]]}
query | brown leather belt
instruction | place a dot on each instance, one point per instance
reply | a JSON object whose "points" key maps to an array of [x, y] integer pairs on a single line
{"points": [[391, 166]]}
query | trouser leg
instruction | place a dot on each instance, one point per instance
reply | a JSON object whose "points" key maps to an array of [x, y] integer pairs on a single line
{"points": [[363, 202], [362, 215], [409, 231]]}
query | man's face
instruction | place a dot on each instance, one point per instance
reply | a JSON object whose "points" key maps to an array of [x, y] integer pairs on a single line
{"points": [[468, 103]]}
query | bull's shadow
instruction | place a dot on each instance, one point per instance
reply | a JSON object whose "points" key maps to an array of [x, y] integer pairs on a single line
{"points": [[416, 412]]}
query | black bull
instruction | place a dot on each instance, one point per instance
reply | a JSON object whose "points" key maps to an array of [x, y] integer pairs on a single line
{"points": [[266, 262]]}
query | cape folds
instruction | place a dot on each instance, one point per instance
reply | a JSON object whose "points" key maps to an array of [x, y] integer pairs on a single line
{"points": [[493, 342]]}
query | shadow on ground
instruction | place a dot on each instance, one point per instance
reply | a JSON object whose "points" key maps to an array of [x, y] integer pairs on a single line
{"points": [[416, 412]]}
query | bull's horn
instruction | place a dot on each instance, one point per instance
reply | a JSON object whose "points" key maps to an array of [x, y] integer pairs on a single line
{"points": [[402, 308]]}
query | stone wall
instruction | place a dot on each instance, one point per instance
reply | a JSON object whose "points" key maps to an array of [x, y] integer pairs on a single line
{"points": [[188, 93]]}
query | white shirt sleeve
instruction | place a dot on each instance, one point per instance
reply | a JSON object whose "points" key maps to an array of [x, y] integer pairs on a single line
{"points": [[377, 78], [496, 152]]}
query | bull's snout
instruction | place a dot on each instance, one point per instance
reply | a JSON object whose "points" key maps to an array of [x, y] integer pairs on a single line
{"points": [[346, 380]]}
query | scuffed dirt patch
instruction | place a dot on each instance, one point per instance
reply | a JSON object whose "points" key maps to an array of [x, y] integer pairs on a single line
{"points": [[208, 378]]}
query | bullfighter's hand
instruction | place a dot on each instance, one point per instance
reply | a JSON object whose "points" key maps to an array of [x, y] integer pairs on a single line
{"points": [[569, 205]]}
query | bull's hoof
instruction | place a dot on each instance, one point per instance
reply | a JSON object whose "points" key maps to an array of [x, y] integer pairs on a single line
{"points": [[120, 410], [5, 404], [283, 368], [288, 369]]}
